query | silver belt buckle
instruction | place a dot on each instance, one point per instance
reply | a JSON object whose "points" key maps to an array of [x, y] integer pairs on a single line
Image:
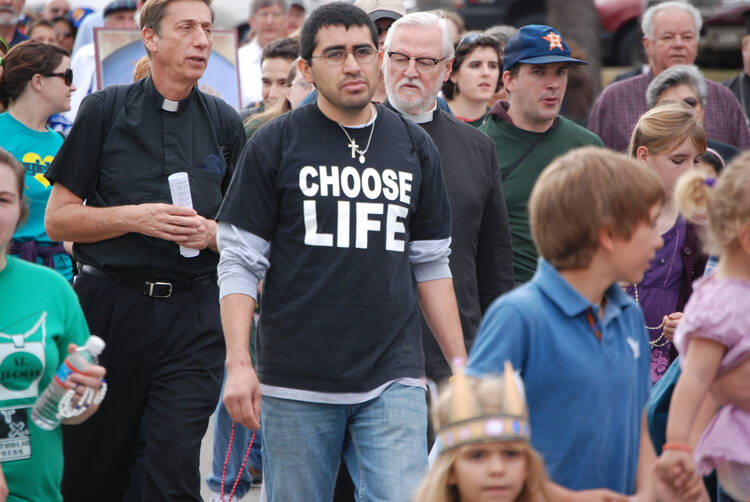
{"points": [[152, 285]]}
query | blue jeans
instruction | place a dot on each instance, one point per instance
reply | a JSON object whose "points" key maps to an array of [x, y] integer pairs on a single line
{"points": [[382, 441], [222, 433]]}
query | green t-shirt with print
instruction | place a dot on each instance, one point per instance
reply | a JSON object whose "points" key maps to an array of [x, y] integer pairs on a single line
{"points": [[39, 316]]}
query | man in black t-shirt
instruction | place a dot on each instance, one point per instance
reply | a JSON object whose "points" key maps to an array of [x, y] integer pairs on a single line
{"points": [[481, 255], [341, 206], [157, 310]]}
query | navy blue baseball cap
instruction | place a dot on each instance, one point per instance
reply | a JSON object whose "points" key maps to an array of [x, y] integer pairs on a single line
{"points": [[537, 44], [78, 15]]}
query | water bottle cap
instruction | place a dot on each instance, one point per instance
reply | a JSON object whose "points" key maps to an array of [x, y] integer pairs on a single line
{"points": [[95, 345]]}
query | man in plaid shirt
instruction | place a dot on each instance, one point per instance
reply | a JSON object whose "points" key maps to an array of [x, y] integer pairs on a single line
{"points": [[671, 31]]}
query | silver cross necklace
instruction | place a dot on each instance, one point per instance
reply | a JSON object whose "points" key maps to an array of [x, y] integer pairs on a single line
{"points": [[353, 146]]}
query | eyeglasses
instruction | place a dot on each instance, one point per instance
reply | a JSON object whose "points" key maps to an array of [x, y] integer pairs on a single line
{"points": [[423, 65], [337, 57], [691, 102], [67, 75]]}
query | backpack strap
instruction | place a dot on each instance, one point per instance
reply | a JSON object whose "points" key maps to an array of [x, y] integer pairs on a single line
{"points": [[115, 97], [212, 105], [411, 135]]}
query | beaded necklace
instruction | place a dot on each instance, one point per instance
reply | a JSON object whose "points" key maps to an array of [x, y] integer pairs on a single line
{"points": [[242, 468], [662, 340]]}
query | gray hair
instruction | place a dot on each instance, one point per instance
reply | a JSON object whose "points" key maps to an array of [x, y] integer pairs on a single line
{"points": [[256, 5], [681, 74], [501, 32], [647, 21], [424, 20]]}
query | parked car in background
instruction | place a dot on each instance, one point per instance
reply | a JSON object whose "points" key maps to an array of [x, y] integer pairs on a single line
{"points": [[723, 24], [230, 14], [723, 28]]}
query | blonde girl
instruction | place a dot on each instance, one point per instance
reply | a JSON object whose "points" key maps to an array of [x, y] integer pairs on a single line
{"points": [[714, 335], [670, 140], [484, 468]]}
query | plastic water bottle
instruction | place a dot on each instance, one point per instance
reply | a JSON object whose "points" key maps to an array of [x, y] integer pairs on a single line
{"points": [[45, 413]]}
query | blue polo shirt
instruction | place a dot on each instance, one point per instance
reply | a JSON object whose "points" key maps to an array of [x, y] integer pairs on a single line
{"points": [[586, 397]]}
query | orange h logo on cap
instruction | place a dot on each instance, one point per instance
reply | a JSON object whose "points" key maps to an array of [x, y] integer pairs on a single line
{"points": [[555, 41]]}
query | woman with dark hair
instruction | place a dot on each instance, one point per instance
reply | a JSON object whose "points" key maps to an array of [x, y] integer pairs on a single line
{"points": [[66, 32], [475, 77], [35, 83]]}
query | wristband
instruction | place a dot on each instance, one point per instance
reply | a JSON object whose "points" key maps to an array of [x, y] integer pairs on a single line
{"points": [[677, 446]]}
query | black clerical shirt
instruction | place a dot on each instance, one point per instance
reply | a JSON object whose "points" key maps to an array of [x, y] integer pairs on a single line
{"points": [[144, 144]]}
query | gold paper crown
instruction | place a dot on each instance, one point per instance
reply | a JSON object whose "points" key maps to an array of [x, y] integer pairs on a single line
{"points": [[468, 424]]}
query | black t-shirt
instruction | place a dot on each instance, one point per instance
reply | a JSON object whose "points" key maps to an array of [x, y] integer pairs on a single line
{"points": [[144, 145], [340, 310]]}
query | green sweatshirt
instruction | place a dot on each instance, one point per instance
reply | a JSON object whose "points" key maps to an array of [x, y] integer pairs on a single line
{"points": [[510, 144]]}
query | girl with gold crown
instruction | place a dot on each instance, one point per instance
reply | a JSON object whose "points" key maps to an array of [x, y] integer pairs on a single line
{"points": [[483, 431]]}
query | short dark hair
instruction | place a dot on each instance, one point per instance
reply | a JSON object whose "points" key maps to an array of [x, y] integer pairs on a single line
{"points": [[332, 14], [24, 61], [284, 48], [464, 50], [68, 21], [516, 69]]}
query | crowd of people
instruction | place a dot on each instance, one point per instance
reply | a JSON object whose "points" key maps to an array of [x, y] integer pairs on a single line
{"points": [[397, 202]]}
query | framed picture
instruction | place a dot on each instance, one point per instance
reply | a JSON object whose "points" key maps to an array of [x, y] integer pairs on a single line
{"points": [[117, 51]]}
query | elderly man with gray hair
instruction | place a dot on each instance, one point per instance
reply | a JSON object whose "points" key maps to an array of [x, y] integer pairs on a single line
{"points": [[686, 83], [670, 37]]}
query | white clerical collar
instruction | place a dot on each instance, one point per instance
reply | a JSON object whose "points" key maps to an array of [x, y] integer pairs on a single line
{"points": [[170, 106], [419, 118]]}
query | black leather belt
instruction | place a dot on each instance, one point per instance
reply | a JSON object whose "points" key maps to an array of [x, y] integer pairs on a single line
{"points": [[154, 289]]}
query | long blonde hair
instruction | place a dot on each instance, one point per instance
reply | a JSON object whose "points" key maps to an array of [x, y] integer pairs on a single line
{"points": [[724, 203], [435, 488]]}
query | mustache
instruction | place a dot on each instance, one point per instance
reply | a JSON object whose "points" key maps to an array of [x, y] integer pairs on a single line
{"points": [[410, 81]]}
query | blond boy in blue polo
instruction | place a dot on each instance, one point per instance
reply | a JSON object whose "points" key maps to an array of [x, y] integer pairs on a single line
{"points": [[578, 341]]}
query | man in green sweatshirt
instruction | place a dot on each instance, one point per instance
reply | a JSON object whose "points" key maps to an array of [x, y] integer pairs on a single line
{"points": [[528, 130]]}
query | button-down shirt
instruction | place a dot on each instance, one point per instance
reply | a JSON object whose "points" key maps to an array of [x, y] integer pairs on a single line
{"points": [[144, 145], [250, 77]]}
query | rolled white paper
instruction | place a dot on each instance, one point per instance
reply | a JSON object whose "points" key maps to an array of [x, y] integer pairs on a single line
{"points": [[179, 185]]}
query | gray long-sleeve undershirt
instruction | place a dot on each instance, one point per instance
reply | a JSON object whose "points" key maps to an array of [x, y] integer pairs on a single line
{"points": [[244, 260]]}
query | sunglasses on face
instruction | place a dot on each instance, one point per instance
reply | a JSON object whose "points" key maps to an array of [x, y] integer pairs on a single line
{"points": [[67, 76]]}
